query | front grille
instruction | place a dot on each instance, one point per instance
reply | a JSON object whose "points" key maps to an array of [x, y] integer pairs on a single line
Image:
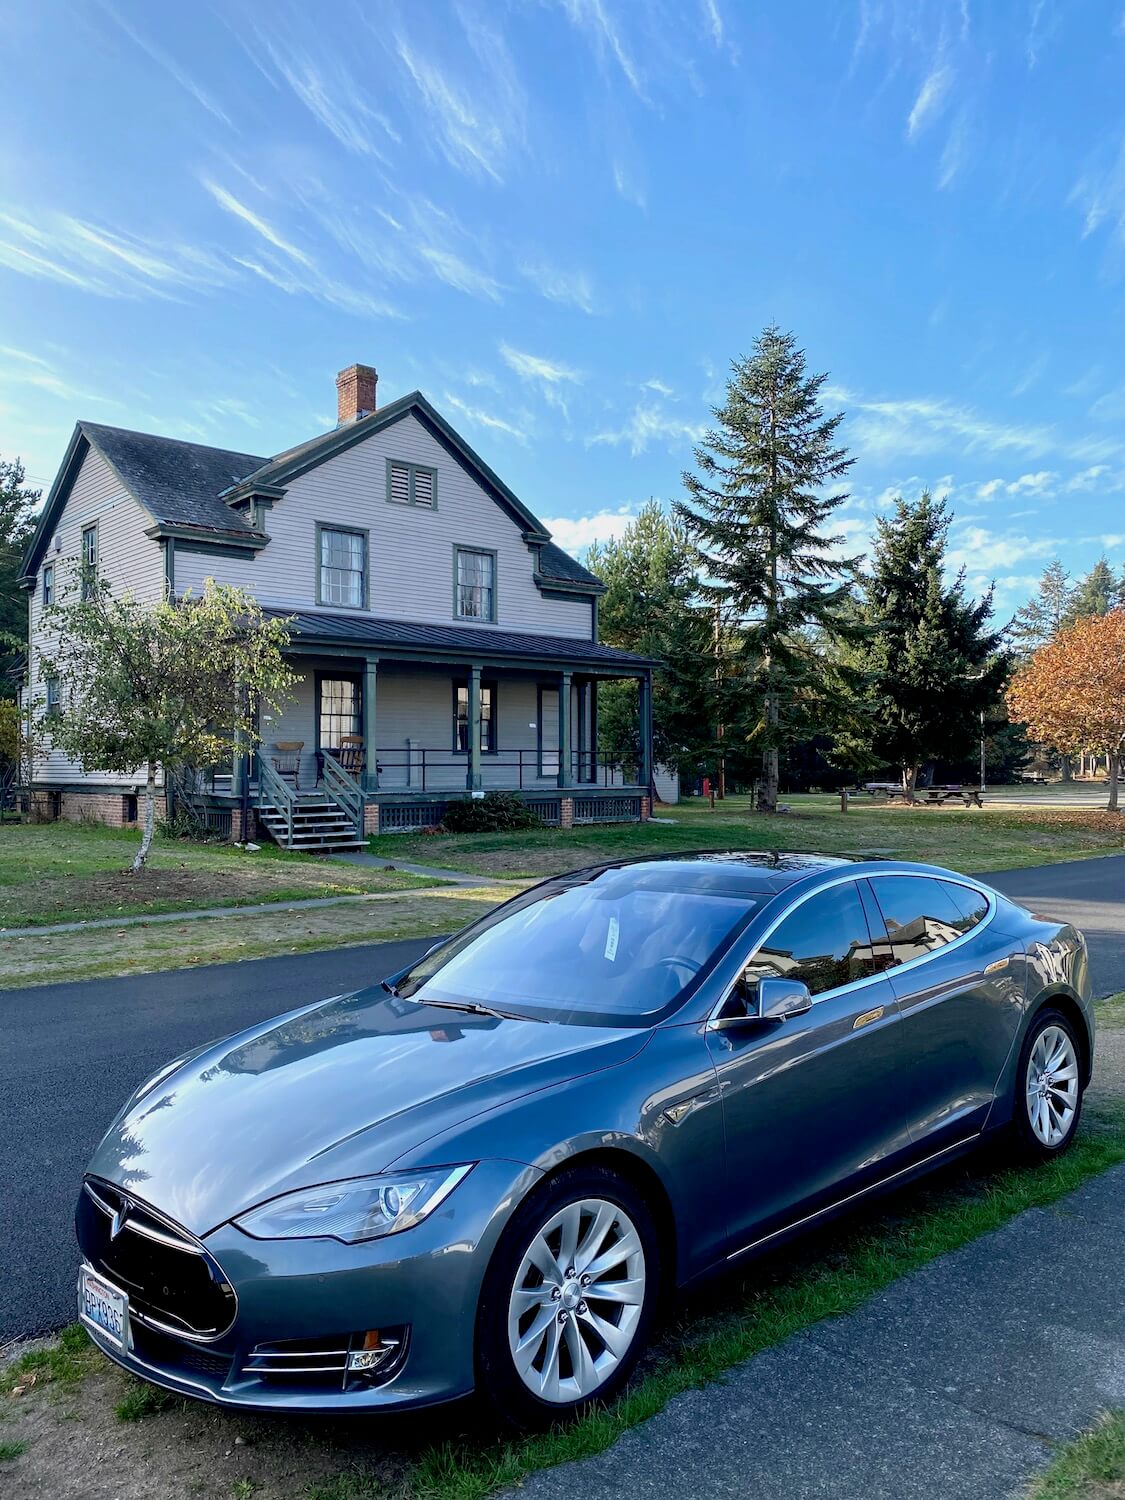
{"points": [[173, 1283], [292, 1358]]}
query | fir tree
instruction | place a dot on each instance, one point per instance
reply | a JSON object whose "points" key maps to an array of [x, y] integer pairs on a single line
{"points": [[756, 512], [1096, 594], [931, 662], [1045, 614]]}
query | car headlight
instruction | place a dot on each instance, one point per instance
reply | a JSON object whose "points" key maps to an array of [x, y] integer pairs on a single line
{"points": [[365, 1208]]}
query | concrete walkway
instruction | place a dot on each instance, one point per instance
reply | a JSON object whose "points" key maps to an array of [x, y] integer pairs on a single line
{"points": [[950, 1385], [454, 877]]}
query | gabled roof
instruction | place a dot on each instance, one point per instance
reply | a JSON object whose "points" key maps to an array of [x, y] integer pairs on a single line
{"points": [[354, 628], [189, 485]]}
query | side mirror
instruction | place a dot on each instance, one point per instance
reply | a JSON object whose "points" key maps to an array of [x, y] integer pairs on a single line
{"points": [[778, 999], [767, 999]]}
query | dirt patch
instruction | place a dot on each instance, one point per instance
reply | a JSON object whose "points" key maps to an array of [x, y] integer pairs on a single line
{"points": [[77, 1449]]}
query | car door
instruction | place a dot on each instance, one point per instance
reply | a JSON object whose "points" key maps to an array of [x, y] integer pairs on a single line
{"points": [[959, 986], [814, 1105]]}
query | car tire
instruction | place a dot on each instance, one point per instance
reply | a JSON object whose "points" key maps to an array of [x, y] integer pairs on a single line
{"points": [[547, 1347], [1048, 1089]]}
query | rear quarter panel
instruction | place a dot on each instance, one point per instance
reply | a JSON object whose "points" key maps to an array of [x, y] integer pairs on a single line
{"points": [[1056, 969]]}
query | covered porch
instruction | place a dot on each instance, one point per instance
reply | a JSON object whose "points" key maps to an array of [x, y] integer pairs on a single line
{"points": [[389, 722]]}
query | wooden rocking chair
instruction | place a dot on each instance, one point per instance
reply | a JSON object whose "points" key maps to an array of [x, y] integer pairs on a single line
{"points": [[286, 759], [350, 754]]}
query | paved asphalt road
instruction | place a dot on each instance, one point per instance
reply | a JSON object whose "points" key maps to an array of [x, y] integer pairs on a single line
{"points": [[1090, 893], [72, 1052]]}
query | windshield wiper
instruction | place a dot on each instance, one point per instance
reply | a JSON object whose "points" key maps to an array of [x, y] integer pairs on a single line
{"points": [[390, 989], [473, 1008]]}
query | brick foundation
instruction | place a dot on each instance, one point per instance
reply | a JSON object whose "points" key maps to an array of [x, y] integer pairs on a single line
{"points": [[646, 809], [243, 832], [566, 812], [114, 809], [370, 817]]}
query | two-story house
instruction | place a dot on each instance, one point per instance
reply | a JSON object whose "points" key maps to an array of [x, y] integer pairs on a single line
{"points": [[445, 645]]}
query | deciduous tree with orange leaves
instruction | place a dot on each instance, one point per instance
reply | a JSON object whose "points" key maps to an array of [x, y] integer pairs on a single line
{"points": [[1071, 692]]}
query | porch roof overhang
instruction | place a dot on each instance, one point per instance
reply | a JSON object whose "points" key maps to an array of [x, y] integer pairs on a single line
{"points": [[407, 640]]}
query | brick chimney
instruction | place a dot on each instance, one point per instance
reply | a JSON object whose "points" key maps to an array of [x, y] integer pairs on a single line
{"points": [[355, 394]]}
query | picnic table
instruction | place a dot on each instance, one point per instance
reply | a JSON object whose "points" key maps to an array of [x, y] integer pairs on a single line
{"points": [[925, 796]]}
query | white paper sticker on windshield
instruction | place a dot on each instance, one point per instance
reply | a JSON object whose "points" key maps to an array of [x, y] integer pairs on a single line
{"points": [[611, 938]]}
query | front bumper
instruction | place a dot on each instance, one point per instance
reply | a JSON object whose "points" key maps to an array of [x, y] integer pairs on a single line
{"points": [[323, 1293]]}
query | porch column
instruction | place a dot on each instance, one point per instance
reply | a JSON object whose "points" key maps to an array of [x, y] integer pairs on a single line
{"points": [[565, 777], [240, 759], [594, 730], [369, 706], [472, 777], [644, 707]]}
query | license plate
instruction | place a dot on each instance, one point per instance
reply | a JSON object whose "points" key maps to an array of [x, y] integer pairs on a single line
{"points": [[104, 1307]]}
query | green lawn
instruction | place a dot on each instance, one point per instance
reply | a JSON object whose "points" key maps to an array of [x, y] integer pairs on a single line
{"points": [[66, 872], [1090, 1468], [971, 839]]}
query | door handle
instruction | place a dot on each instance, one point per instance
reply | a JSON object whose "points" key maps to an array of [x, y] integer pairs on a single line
{"points": [[868, 1017]]}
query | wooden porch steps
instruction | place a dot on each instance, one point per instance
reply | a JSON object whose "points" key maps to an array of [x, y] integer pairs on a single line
{"points": [[320, 826]]}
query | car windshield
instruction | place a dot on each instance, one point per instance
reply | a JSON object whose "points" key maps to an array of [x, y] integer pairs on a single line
{"points": [[621, 946]]}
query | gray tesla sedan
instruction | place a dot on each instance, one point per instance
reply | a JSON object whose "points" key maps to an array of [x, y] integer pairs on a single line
{"points": [[484, 1171]]}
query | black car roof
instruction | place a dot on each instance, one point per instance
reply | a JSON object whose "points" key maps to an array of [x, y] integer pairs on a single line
{"points": [[752, 870]]}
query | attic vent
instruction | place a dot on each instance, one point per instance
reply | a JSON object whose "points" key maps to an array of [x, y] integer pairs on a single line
{"points": [[423, 487], [400, 483], [411, 484]]}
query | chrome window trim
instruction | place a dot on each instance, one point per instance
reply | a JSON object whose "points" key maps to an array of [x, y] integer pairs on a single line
{"points": [[858, 984]]}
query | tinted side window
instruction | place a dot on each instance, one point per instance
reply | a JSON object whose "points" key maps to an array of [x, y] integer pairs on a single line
{"points": [[971, 904], [824, 942], [919, 913]]}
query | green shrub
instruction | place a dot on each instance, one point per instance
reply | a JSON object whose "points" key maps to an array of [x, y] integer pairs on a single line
{"points": [[492, 813]]}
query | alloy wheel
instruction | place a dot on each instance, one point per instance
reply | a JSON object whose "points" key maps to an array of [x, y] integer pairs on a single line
{"points": [[576, 1300], [1052, 1086]]}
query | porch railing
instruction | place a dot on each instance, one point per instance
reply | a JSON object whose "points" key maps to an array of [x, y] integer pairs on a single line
{"points": [[426, 768], [343, 788], [274, 792]]}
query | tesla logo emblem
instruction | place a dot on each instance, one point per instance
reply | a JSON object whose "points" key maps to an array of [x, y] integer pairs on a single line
{"points": [[119, 1217]]}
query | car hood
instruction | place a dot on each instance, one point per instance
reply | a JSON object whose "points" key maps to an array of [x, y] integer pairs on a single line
{"points": [[338, 1089]]}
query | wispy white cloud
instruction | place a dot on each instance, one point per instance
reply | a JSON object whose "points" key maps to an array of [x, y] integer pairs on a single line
{"points": [[931, 99], [891, 429], [1044, 20], [649, 424], [576, 533], [1042, 482], [1034, 372], [593, 19], [478, 417], [533, 367], [1088, 479], [457, 273], [168, 63], [658, 387], [107, 263], [326, 86], [955, 154], [573, 288], [713, 20], [1100, 192], [477, 125], [261, 226], [983, 552]]}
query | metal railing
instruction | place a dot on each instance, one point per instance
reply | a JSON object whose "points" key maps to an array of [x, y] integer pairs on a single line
{"points": [[274, 792], [345, 791], [427, 768]]}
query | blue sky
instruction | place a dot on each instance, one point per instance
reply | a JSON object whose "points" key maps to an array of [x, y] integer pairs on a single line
{"points": [[562, 218]]}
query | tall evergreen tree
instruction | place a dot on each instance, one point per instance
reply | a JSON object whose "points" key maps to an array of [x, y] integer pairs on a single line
{"points": [[651, 606], [1096, 594], [757, 512], [17, 522], [931, 662], [1045, 613]]}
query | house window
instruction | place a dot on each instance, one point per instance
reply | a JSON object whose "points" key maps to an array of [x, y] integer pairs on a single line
{"points": [[487, 717], [52, 697], [475, 584], [339, 711], [49, 584], [89, 561], [411, 484], [343, 567]]}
